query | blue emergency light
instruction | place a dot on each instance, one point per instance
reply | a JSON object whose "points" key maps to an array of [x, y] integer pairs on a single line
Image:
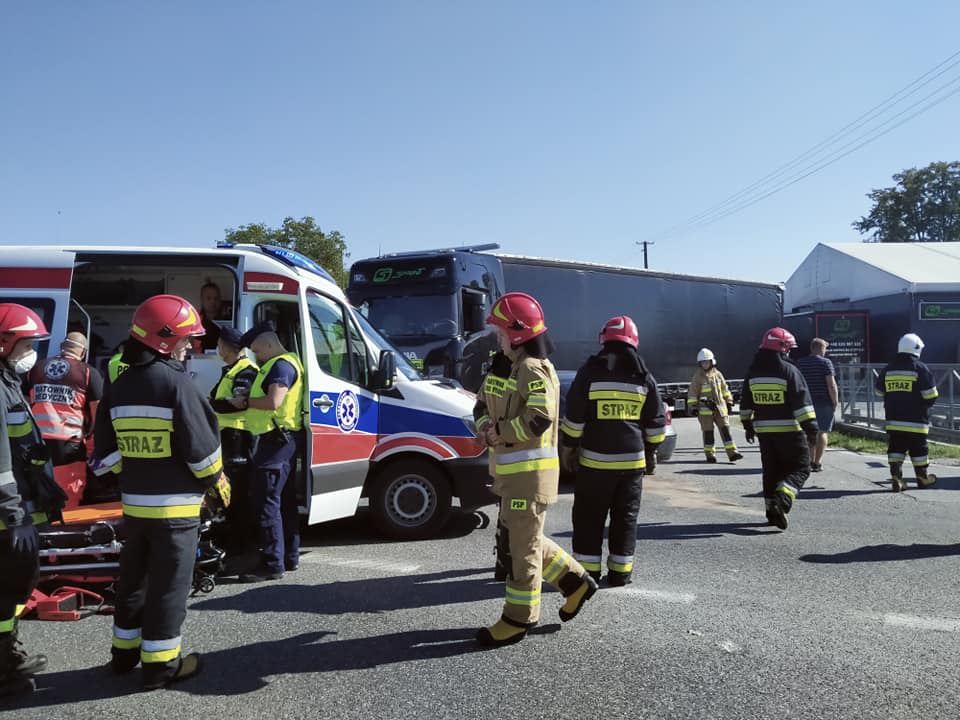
{"points": [[295, 259]]}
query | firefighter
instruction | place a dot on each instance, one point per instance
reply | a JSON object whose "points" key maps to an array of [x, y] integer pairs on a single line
{"points": [[236, 379], [613, 413], [776, 406], [64, 394], [27, 499], [518, 418], [710, 397], [497, 375], [159, 434], [908, 391], [275, 417]]}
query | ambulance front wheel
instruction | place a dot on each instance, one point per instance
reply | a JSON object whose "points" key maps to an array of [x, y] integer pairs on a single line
{"points": [[410, 499]]}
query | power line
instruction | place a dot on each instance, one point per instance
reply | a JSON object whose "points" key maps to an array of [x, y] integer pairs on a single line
{"points": [[892, 101]]}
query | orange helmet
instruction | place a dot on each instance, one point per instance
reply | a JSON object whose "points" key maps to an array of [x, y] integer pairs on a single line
{"points": [[778, 339], [621, 328], [16, 323], [520, 315], [162, 320]]}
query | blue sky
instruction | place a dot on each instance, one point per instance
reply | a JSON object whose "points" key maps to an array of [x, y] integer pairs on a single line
{"points": [[557, 129]]}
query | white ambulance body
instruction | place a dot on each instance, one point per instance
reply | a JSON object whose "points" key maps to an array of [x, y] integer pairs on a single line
{"points": [[376, 427]]}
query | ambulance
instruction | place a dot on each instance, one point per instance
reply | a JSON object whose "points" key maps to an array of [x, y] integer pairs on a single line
{"points": [[377, 427]]}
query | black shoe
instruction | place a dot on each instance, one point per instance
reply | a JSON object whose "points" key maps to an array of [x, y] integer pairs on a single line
{"points": [[816, 467], [260, 574], [291, 567], [776, 516], [736, 456], [711, 458], [615, 579]]}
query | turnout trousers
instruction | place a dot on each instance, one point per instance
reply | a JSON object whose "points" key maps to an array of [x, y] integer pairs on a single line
{"points": [[709, 439], [597, 493], [900, 444], [531, 559], [156, 574], [786, 466], [273, 500], [18, 578]]}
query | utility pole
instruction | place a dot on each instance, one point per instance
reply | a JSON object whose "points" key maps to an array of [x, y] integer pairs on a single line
{"points": [[645, 243]]}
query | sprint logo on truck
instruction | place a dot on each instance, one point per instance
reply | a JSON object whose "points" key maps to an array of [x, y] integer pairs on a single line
{"points": [[389, 274]]}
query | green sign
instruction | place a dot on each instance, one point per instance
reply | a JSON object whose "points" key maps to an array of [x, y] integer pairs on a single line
{"points": [[940, 311], [846, 334], [389, 274]]}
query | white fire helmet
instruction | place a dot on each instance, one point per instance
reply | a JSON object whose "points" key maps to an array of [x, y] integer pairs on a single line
{"points": [[706, 354], [910, 344]]}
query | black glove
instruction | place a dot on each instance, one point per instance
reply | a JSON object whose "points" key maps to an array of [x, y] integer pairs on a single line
{"points": [[711, 404], [24, 539], [750, 435]]}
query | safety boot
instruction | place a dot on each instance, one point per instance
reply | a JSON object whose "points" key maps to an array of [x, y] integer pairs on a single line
{"points": [[189, 666], [711, 458], [775, 514], [577, 590], [503, 632], [734, 456], [618, 579], [897, 483], [924, 479]]}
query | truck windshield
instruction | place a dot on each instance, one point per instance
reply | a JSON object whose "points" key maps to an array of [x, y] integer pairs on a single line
{"points": [[381, 343], [413, 316]]}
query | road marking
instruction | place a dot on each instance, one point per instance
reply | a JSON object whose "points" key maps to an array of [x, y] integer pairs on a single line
{"points": [[671, 597], [922, 623], [315, 558]]}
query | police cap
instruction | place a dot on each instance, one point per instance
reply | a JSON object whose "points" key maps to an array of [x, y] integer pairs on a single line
{"points": [[231, 336], [256, 331]]}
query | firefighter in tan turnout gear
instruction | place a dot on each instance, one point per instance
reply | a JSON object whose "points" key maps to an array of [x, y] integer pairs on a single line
{"points": [[517, 416], [710, 397]]}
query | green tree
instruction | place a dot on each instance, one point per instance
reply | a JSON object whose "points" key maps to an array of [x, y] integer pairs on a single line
{"points": [[328, 249], [924, 206]]}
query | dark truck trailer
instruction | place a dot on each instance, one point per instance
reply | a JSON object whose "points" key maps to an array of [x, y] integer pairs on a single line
{"points": [[676, 315], [432, 305]]}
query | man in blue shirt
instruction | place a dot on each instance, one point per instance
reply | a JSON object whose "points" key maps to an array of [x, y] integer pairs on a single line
{"points": [[821, 380]]}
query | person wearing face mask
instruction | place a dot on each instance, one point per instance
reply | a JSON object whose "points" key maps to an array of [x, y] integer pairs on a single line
{"points": [[159, 434], [517, 416], [236, 380], [275, 417], [776, 408], [26, 498]]}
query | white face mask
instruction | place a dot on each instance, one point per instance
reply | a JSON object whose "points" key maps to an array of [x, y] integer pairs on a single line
{"points": [[25, 363]]}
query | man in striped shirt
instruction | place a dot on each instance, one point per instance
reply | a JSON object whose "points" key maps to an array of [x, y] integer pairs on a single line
{"points": [[822, 382]]}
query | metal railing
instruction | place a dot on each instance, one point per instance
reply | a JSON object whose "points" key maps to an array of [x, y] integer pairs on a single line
{"points": [[860, 405]]}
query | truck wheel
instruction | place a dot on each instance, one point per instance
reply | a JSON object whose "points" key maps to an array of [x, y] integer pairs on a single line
{"points": [[410, 499]]}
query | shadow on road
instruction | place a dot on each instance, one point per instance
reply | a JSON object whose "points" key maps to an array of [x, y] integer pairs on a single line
{"points": [[885, 553], [371, 595], [721, 471], [667, 531], [360, 530]]}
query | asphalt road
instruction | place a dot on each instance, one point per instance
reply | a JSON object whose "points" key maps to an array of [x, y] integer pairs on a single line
{"points": [[854, 612]]}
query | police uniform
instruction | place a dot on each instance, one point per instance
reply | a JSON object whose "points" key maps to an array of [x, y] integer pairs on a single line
{"points": [[157, 432], [909, 391], [28, 496], [776, 406], [526, 474], [279, 440], [711, 397], [235, 439], [613, 412]]}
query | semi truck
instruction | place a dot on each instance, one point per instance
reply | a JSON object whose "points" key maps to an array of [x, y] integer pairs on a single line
{"points": [[432, 305]]}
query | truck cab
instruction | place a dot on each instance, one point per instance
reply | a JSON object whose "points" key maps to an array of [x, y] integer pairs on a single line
{"points": [[376, 427], [432, 305]]}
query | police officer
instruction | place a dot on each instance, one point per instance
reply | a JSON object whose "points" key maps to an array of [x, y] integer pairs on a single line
{"points": [[275, 417], [908, 391], [158, 432], [26, 496], [64, 394], [613, 412], [518, 418], [236, 379], [776, 406], [711, 398]]}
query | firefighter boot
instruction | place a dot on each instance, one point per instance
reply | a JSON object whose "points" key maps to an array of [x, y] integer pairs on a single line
{"points": [[897, 483], [775, 513], [650, 457], [190, 665], [924, 479], [503, 632], [734, 456], [577, 590], [14, 658]]}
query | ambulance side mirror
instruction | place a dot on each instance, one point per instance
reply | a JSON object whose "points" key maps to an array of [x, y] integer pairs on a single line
{"points": [[386, 371]]}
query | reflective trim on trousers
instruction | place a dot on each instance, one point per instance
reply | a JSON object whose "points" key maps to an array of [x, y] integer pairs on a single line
{"points": [[620, 563], [125, 638], [591, 563], [160, 651], [517, 596], [910, 427], [787, 489], [556, 568]]}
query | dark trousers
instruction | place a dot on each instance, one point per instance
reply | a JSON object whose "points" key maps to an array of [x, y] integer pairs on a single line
{"points": [[18, 578], [597, 493], [786, 466], [241, 530], [156, 574], [900, 444], [274, 500]]}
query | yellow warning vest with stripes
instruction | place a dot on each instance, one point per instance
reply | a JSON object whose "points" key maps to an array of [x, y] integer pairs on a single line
{"points": [[289, 416], [224, 391]]}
